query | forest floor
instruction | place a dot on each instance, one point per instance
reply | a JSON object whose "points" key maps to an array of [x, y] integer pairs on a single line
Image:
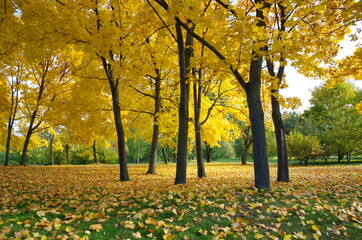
{"points": [[89, 202]]}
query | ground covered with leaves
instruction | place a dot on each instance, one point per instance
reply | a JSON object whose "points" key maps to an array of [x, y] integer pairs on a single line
{"points": [[88, 202]]}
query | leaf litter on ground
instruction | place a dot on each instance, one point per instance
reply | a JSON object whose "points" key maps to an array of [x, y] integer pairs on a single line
{"points": [[89, 202]]}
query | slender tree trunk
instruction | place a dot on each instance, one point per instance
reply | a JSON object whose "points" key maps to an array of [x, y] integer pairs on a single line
{"points": [[114, 85], [27, 139], [120, 137], [165, 158], [67, 153], [174, 157], [256, 114], [197, 108], [14, 85], [8, 139], [184, 63], [51, 152], [95, 152], [138, 152], [208, 152], [340, 157], [348, 156], [247, 144], [156, 127], [283, 168]]}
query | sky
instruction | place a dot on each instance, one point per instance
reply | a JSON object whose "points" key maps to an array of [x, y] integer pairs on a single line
{"points": [[301, 86]]}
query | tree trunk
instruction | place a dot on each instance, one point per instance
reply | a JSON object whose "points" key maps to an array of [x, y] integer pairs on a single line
{"points": [[283, 168], [51, 152], [165, 158], [244, 157], [340, 157], [114, 85], [208, 152], [8, 139], [27, 139], [197, 108], [247, 144], [256, 114], [156, 127], [348, 156], [14, 85], [174, 157], [67, 152], [95, 152], [138, 152], [184, 63]]}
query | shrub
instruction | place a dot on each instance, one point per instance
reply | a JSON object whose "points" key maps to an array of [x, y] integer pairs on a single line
{"points": [[304, 147]]}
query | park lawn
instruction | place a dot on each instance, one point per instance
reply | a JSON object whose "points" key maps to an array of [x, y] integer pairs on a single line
{"points": [[89, 202]]}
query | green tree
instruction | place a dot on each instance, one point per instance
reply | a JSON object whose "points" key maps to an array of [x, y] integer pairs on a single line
{"points": [[304, 147], [334, 115]]}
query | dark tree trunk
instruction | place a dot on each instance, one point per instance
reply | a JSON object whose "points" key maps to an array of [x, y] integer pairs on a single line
{"points": [[174, 157], [283, 168], [340, 157], [349, 157], [8, 139], [156, 127], [197, 111], [67, 153], [165, 158], [95, 152], [208, 152], [256, 115], [27, 138], [114, 85], [247, 144], [120, 137], [184, 63], [51, 152]]}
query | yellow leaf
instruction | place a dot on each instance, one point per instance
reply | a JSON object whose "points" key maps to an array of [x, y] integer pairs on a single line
{"points": [[315, 228], [57, 225], [258, 236], [287, 237], [315, 236], [168, 236], [96, 227]]}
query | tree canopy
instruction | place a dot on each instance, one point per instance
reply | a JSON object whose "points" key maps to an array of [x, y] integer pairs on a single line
{"points": [[172, 73]]}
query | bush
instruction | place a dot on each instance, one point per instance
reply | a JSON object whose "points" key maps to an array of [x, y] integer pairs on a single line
{"points": [[304, 147]]}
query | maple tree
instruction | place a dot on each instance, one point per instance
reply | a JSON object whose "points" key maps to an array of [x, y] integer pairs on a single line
{"points": [[13, 85], [251, 87], [49, 80], [127, 54]]}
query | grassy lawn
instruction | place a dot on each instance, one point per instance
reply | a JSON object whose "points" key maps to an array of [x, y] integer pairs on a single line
{"points": [[88, 202]]}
